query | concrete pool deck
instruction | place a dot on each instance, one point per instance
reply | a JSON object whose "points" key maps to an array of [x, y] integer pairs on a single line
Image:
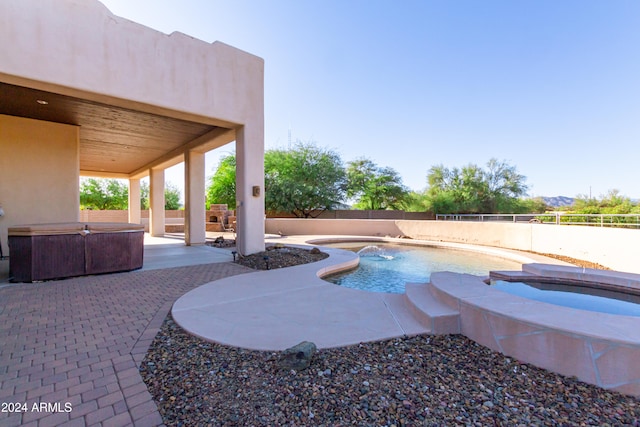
{"points": [[276, 309]]}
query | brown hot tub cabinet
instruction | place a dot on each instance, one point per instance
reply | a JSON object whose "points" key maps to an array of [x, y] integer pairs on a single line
{"points": [[54, 251], [113, 247], [46, 251]]}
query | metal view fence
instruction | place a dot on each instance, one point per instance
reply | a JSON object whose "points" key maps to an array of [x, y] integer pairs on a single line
{"points": [[598, 220]]}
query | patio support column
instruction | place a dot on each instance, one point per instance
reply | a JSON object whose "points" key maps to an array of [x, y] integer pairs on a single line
{"points": [[134, 201], [194, 215], [156, 202], [250, 188]]}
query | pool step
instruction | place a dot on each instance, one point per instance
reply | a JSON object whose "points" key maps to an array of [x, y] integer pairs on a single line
{"points": [[429, 311]]}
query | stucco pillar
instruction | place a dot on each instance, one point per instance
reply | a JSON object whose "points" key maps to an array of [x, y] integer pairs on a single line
{"points": [[250, 189], [194, 215], [134, 201], [156, 202]]}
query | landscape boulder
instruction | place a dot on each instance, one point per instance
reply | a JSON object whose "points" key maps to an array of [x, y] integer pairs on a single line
{"points": [[297, 357]]}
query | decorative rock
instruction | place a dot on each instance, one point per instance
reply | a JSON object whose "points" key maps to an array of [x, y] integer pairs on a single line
{"points": [[314, 251], [297, 357], [280, 257], [199, 383]]}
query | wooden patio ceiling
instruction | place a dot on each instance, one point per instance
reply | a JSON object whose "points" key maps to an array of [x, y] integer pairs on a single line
{"points": [[114, 141]]}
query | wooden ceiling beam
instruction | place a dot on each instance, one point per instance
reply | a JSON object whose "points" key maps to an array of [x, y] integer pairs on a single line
{"points": [[213, 139]]}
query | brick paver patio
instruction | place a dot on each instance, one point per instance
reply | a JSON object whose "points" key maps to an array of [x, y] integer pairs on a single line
{"points": [[79, 342]]}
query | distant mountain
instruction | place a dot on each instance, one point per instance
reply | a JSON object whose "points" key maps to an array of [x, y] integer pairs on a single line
{"points": [[558, 201]]}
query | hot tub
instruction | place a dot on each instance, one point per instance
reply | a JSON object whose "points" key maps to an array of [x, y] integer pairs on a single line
{"points": [[46, 251], [111, 247], [55, 251]]}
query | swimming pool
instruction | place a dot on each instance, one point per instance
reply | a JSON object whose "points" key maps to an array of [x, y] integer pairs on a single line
{"points": [[386, 267]]}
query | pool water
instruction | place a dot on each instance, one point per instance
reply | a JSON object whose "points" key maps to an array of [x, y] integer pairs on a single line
{"points": [[386, 267], [580, 297]]}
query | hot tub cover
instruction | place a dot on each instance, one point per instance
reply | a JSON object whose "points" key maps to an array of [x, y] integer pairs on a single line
{"points": [[47, 229], [113, 227], [73, 228]]}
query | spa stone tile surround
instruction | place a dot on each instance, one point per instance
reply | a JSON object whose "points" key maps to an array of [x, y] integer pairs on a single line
{"points": [[598, 348]]}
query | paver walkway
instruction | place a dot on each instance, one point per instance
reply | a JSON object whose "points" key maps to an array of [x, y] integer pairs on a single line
{"points": [[79, 342]]}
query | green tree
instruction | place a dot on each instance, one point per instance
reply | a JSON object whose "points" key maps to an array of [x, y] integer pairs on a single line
{"points": [[615, 203], [611, 203], [171, 196], [456, 190], [472, 189], [222, 187], [442, 203], [374, 187], [416, 201], [103, 194], [304, 180], [144, 195], [505, 186]]}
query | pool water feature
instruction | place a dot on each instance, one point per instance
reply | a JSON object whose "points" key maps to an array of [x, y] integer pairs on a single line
{"points": [[574, 296], [386, 267]]}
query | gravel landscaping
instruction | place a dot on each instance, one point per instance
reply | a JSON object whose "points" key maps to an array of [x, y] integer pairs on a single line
{"points": [[416, 381], [409, 381], [278, 256], [274, 256]]}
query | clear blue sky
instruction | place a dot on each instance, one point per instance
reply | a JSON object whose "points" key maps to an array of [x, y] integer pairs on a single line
{"points": [[552, 87]]}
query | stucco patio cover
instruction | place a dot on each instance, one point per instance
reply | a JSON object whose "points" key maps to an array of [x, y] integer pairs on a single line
{"points": [[113, 98]]}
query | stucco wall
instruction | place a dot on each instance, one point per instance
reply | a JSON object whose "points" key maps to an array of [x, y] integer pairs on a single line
{"points": [[613, 248], [38, 173], [80, 47]]}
